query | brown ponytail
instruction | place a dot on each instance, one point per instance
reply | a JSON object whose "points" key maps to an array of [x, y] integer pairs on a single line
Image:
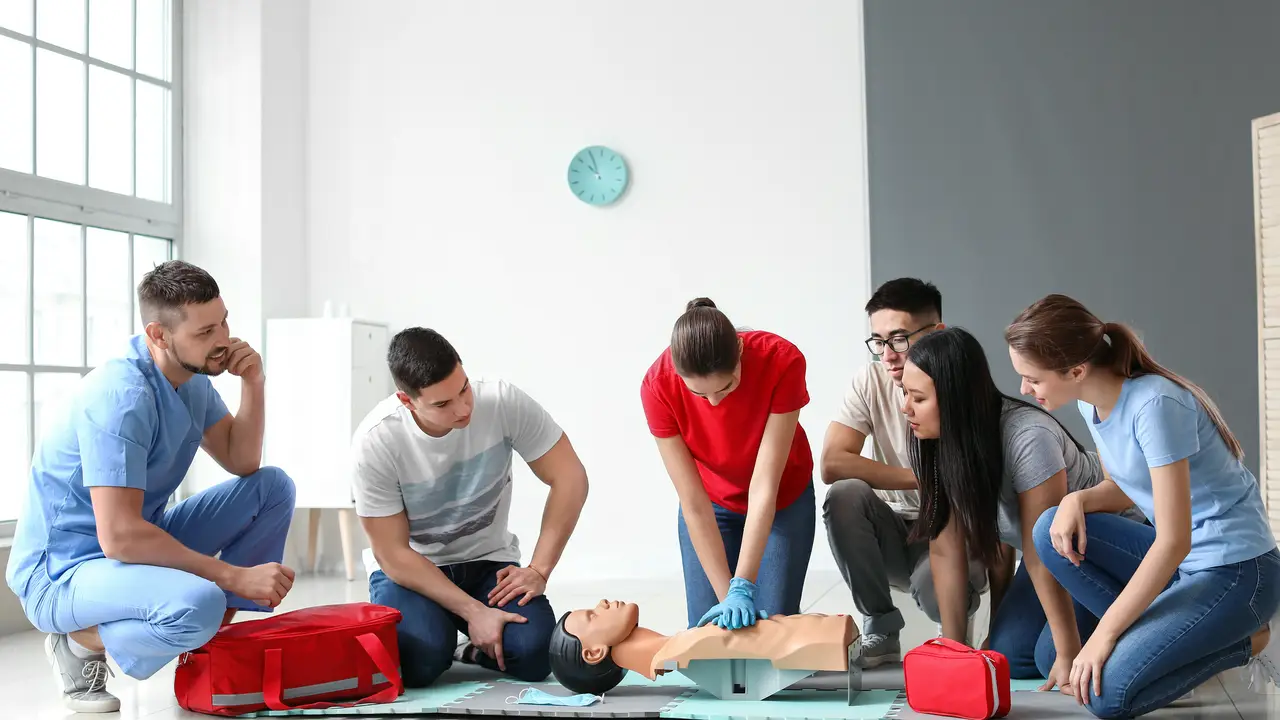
{"points": [[704, 342], [1058, 333]]}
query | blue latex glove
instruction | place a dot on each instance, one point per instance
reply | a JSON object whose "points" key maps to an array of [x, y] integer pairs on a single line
{"points": [[738, 609]]}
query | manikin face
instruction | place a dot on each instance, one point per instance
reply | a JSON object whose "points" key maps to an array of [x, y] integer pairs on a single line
{"points": [[1051, 388], [895, 327], [715, 388], [921, 403], [444, 406], [198, 340], [602, 627]]}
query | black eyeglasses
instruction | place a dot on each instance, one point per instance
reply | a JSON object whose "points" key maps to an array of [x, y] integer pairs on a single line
{"points": [[899, 343]]}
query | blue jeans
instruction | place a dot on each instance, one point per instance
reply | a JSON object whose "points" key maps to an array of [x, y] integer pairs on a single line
{"points": [[428, 633], [148, 615], [782, 568], [1198, 626], [1020, 631]]}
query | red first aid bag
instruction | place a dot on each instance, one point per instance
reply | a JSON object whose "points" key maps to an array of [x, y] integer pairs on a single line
{"points": [[320, 657], [944, 677]]}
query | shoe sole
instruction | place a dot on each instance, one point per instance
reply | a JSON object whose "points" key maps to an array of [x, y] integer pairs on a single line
{"points": [[76, 704], [877, 660]]}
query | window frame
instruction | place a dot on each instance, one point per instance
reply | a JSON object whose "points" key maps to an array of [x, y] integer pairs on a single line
{"points": [[86, 206]]}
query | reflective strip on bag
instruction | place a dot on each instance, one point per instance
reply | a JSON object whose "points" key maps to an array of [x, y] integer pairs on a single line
{"points": [[295, 693]]}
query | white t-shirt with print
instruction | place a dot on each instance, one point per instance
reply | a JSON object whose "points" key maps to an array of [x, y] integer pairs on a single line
{"points": [[456, 489], [873, 406]]}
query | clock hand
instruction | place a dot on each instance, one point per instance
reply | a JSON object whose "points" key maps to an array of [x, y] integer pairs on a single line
{"points": [[593, 163]]}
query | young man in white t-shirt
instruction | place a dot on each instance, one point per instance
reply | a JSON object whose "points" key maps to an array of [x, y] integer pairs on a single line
{"points": [[432, 479], [873, 503]]}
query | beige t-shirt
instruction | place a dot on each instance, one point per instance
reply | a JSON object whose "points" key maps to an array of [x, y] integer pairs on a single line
{"points": [[873, 406]]}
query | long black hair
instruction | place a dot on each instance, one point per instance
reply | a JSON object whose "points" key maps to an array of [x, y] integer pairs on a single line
{"points": [[961, 471]]}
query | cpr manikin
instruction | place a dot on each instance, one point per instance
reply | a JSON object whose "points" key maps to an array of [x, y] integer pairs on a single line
{"points": [[591, 650]]}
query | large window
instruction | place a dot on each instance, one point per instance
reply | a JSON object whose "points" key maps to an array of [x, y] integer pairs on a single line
{"points": [[90, 168]]}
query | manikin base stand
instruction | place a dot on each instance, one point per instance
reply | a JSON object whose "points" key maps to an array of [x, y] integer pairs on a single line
{"points": [[737, 679]]}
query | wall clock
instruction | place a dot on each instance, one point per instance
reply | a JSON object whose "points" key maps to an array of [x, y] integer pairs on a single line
{"points": [[597, 175]]}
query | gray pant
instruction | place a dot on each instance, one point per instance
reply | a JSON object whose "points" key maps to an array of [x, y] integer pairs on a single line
{"points": [[869, 541]]}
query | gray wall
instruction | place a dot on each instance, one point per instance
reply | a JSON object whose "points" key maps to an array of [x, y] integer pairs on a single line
{"points": [[1095, 148]]}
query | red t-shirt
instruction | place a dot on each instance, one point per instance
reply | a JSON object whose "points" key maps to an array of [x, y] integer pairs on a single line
{"points": [[724, 439]]}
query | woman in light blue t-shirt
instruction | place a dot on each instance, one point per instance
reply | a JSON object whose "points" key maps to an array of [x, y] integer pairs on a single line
{"points": [[1194, 593]]}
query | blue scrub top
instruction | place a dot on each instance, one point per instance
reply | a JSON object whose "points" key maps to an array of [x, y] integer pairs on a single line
{"points": [[125, 426]]}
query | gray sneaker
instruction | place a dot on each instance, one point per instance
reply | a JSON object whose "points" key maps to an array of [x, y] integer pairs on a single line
{"points": [[83, 682], [880, 650]]}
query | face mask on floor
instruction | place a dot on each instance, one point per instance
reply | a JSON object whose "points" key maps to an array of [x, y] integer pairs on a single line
{"points": [[534, 696]]}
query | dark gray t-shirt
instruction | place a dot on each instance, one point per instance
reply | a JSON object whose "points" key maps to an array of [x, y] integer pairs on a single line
{"points": [[1035, 449]]}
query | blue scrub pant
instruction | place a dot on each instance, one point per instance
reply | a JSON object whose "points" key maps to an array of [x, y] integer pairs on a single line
{"points": [[148, 615]]}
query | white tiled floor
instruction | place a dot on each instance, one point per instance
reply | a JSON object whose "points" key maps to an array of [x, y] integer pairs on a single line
{"points": [[27, 688]]}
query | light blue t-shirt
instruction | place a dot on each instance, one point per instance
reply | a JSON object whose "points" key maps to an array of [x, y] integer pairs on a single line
{"points": [[1157, 422], [125, 426]]}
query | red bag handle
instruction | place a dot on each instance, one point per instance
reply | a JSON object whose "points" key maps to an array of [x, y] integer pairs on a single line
{"points": [[273, 685], [951, 645]]}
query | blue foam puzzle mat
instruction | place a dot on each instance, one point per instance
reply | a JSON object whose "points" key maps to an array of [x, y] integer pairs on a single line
{"points": [[786, 705], [1025, 685], [447, 698]]}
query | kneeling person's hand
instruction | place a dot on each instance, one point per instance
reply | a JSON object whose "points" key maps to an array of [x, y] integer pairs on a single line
{"points": [[514, 582], [485, 632], [265, 584]]}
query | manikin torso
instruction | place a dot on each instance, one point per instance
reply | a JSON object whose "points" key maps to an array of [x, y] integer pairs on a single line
{"points": [[791, 642]]}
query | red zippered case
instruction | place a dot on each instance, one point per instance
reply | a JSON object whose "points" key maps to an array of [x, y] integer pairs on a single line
{"points": [[944, 677], [320, 657]]}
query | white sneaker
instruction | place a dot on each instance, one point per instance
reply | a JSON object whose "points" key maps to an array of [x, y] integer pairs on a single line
{"points": [[466, 653], [82, 681], [1265, 666]]}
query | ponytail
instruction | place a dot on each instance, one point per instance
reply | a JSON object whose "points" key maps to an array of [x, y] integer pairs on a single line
{"points": [[1126, 356], [1058, 333], [703, 341]]}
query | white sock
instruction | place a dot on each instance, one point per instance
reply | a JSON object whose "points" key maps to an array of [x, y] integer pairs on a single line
{"points": [[79, 650]]}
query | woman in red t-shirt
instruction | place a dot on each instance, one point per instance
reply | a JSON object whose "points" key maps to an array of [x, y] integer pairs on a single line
{"points": [[725, 407]]}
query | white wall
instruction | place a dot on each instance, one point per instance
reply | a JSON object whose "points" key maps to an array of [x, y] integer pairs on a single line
{"points": [[439, 135], [222, 183], [245, 177]]}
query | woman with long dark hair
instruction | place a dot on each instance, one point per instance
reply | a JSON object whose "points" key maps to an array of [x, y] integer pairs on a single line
{"points": [[1188, 596], [989, 465], [724, 405]]}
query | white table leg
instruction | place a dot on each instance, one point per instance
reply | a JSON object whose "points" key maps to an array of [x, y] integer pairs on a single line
{"points": [[313, 537], [346, 519]]}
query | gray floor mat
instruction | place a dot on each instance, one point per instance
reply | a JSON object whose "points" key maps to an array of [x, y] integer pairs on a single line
{"points": [[1024, 706], [885, 677], [625, 701]]}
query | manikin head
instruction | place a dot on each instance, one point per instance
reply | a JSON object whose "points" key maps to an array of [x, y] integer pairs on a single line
{"points": [[707, 351], [184, 317], [900, 312], [582, 641], [430, 381]]}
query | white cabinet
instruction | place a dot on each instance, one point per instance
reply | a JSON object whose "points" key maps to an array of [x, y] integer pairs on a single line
{"points": [[1266, 204], [324, 375]]}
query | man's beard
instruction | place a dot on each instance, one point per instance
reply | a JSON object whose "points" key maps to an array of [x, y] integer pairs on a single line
{"points": [[197, 369]]}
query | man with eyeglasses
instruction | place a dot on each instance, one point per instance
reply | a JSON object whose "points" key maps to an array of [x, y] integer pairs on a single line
{"points": [[872, 502]]}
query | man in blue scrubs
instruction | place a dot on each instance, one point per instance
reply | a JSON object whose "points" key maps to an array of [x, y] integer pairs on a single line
{"points": [[99, 562]]}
